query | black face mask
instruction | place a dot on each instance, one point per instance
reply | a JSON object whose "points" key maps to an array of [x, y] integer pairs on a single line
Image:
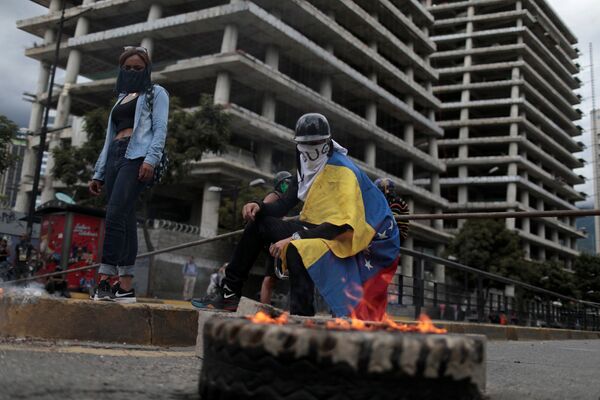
{"points": [[133, 81]]}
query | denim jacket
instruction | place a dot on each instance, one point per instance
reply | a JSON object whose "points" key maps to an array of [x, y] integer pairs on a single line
{"points": [[149, 133]]}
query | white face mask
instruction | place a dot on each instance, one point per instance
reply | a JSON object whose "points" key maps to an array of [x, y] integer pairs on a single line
{"points": [[312, 155], [313, 158]]}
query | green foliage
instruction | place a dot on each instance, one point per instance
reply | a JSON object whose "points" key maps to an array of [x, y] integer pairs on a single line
{"points": [[8, 129], [587, 277], [554, 277], [226, 209], [75, 165], [192, 133], [489, 246]]}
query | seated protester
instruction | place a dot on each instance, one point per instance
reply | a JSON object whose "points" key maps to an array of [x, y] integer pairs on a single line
{"points": [[346, 241], [397, 205], [281, 184]]}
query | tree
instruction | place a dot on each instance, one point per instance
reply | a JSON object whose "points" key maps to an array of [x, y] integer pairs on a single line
{"points": [[587, 277], [487, 245], [228, 207], [75, 165], [8, 129]]}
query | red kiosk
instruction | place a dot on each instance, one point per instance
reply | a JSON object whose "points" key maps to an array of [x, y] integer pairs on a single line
{"points": [[71, 236]]}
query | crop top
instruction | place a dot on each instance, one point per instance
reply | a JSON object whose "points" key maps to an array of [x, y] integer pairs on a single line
{"points": [[123, 115]]}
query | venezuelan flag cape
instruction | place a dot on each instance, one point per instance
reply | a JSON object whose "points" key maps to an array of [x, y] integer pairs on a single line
{"points": [[352, 273]]}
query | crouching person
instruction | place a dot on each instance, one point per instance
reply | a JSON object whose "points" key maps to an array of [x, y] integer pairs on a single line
{"points": [[346, 241]]}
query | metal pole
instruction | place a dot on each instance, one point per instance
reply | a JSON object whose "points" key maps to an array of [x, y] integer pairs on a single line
{"points": [[235, 210], [498, 215], [44, 130]]}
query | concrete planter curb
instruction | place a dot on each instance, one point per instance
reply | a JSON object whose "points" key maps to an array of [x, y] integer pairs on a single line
{"points": [[501, 332], [52, 318]]}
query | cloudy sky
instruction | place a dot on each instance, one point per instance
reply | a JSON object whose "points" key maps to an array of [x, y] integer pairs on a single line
{"points": [[18, 74]]}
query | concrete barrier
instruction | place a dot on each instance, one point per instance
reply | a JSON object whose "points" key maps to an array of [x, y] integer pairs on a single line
{"points": [[168, 325], [55, 318], [523, 333]]}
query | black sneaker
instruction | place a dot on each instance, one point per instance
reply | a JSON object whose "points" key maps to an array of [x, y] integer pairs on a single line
{"points": [[123, 296], [103, 292], [222, 299]]}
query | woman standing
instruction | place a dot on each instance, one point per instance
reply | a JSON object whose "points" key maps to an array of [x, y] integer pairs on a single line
{"points": [[134, 145]]}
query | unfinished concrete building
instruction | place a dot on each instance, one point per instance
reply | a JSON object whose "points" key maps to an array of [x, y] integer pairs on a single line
{"points": [[364, 64], [507, 85]]}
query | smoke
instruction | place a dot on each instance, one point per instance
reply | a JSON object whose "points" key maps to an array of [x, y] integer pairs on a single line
{"points": [[31, 290]]}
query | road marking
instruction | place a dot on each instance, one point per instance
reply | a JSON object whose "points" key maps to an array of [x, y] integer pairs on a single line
{"points": [[115, 352]]}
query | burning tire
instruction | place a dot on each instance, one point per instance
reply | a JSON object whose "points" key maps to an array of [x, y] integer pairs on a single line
{"points": [[243, 360]]}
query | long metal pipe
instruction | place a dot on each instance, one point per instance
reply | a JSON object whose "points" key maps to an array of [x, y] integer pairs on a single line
{"points": [[501, 214]]}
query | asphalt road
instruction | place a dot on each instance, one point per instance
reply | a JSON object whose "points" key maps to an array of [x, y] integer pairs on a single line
{"points": [[544, 370], [70, 370]]}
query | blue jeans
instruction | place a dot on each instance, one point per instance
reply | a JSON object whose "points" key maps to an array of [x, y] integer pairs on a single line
{"points": [[122, 190]]}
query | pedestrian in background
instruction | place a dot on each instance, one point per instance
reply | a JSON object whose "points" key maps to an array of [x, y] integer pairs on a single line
{"points": [[23, 251], [134, 147], [215, 279], [190, 273], [4, 251]]}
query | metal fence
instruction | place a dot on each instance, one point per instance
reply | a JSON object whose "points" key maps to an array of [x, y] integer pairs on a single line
{"points": [[473, 295]]}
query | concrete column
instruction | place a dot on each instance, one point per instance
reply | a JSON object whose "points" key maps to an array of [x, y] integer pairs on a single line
{"points": [[264, 153], [525, 222], [371, 154], [63, 108], [555, 235], [223, 85], [513, 149], [541, 231], [222, 88], [55, 6], [264, 156], [370, 147], [230, 39], [272, 57], [409, 138], [326, 85], [269, 106], [35, 123], [439, 269], [269, 102], [155, 12], [211, 201]]}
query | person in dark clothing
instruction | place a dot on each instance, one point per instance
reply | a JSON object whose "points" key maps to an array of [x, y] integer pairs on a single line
{"points": [[266, 227], [23, 251], [281, 184], [133, 148], [398, 206]]}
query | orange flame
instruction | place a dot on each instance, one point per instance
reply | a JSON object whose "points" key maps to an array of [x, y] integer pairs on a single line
{"points": [[423, 325], [262, 317], [348, 324]]}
